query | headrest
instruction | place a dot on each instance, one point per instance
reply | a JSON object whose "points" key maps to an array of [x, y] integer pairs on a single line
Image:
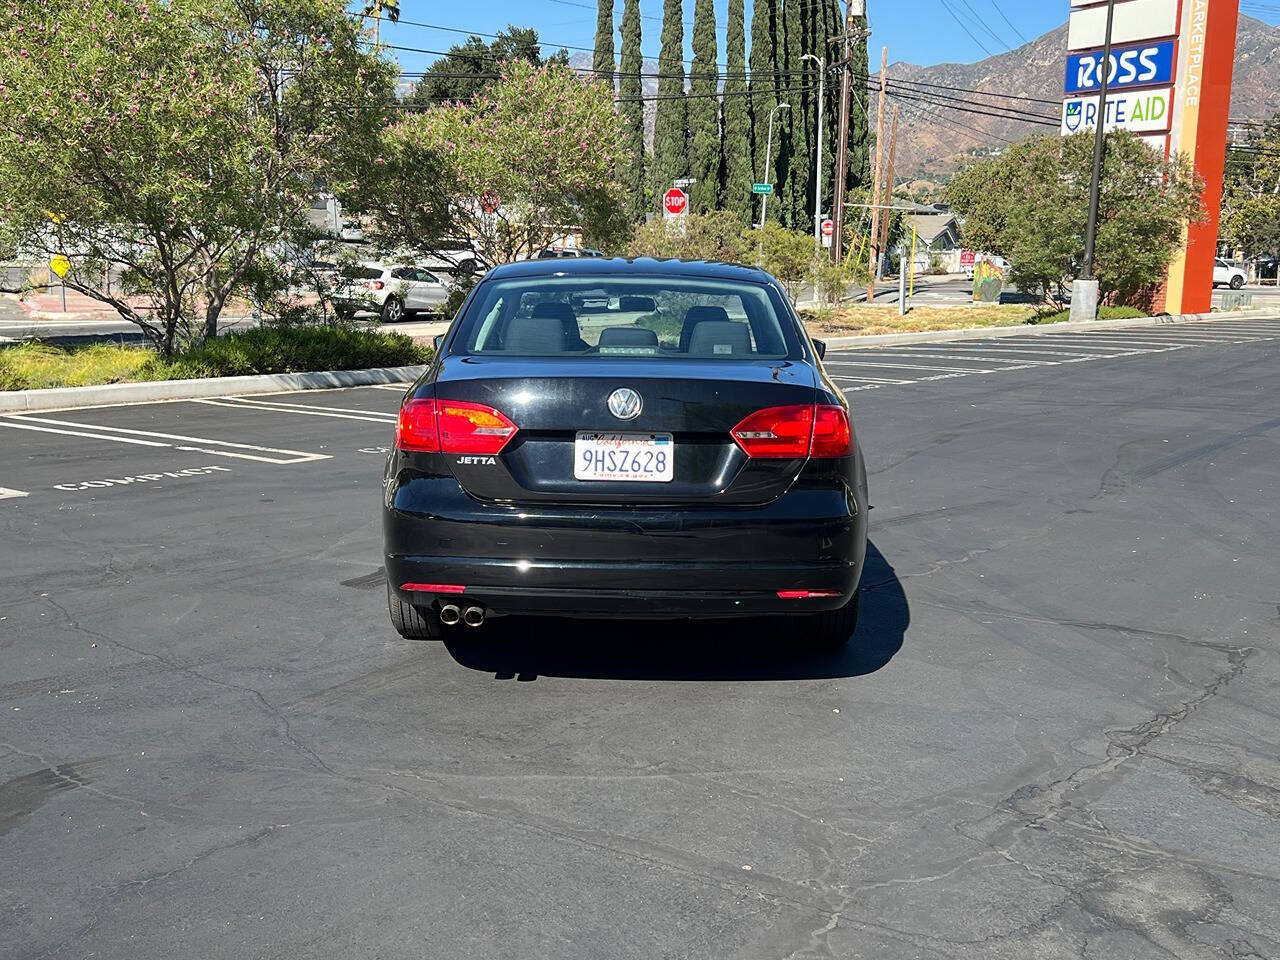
{"points": [[536, 335], [697, 315], [716, 338]]}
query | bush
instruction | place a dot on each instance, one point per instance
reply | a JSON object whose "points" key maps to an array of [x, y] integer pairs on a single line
{"points": [[33, 366], [292, 350], [716, 236], [1104, 313]]}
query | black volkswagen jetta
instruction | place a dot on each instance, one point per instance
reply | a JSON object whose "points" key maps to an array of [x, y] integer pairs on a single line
{"points": [[675, 450]]}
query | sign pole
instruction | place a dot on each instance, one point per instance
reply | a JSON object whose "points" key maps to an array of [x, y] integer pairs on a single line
{"points": [[1099, 147]]}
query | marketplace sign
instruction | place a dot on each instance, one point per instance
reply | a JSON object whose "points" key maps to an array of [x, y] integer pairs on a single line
{"points": [[1170, 69]]}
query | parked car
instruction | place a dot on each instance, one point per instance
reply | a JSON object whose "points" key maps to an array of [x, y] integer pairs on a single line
{"points": [[553, 253], [1228, 274], [692, 462], [393, 291]]}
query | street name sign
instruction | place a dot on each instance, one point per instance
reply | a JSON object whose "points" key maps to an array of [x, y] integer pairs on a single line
{"points": [[765, 188]]}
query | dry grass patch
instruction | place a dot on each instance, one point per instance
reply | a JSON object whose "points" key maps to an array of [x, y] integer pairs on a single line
{"points": [[865, 321]]}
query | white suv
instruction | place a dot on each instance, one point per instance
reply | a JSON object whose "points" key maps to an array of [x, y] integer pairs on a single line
{"points": [[393, 291], [1227, 274]]}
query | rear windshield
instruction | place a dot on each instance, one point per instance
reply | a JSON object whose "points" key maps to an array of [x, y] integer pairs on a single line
{"points": [[627, 317], [363, 273]]}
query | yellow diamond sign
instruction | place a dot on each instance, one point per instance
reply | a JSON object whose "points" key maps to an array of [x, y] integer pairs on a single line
{"points": [[60, 265]]}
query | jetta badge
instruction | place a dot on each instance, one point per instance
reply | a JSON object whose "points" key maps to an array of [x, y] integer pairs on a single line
{"points": [[625, 403]]}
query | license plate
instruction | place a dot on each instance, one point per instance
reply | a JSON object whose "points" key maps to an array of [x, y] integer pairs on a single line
{"points": [[638, 457]]}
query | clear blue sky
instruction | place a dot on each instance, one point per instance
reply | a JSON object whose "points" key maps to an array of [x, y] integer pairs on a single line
{"points": [[918, 31]]}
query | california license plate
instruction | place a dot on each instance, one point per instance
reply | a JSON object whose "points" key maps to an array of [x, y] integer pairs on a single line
{"points": [[639, 457]]}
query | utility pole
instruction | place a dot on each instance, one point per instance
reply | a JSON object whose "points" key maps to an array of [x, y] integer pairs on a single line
{"points": [[875, 190], [856, 8], [768, 151], [882, 240], [817, 170], [1084, 292]]}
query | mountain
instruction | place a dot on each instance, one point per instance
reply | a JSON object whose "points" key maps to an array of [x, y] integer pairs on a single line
{"points": [[934, 139]]}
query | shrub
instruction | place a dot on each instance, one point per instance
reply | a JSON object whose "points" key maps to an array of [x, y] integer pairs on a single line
{"points": [[1104, 313], [712, 236], [292, 350]]}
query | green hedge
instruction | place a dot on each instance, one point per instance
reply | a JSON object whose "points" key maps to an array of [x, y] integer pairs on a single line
{"points": [[33, 366], [1104, 313]]}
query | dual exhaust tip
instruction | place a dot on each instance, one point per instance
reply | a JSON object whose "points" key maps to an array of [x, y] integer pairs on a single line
{"points": [[451, 613]]}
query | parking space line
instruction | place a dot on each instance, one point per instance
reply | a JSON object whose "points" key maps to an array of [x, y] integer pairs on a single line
{"points": [[902, 366], [1018, 350], [9, 422], [219, 448], [959, 356], [398, 388], [1139, 346], [8, 493], [234, 404], [870, 379]]}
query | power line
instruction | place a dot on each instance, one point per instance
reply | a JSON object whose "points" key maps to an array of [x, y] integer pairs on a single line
{"points": [[1000, 11], [963, 26]]}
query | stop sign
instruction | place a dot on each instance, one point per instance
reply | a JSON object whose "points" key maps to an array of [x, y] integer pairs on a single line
{"points": [[674, 202], [828, 228]]}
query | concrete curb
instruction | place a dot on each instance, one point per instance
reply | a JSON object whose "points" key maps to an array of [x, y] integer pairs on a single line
{"points": [[1021, 330], [62, 398]]}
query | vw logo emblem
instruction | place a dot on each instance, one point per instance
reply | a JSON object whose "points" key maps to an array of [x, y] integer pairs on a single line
{"points": [[625, 403]]}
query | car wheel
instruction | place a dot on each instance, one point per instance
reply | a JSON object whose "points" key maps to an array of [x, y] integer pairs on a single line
{"points": [[832, 629], [413, 623], [1237, 282], [392, 310]]}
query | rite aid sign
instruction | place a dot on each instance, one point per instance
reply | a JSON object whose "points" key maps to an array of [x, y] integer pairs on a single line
{"points": [[1141, 65], [1146, 111]]}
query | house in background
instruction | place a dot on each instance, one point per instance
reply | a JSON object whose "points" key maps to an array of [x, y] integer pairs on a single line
{"points": [[937, 237]]}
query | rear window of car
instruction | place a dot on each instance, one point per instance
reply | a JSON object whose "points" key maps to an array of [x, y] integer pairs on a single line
{"points": [[627, 317], [364, 273]]}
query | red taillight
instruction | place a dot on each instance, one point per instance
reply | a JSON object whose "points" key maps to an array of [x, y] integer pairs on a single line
{"points": [[452, 426], [374, 284], [434, 587], [416, 429], [832, 435], [789, 433], [806, 594]]}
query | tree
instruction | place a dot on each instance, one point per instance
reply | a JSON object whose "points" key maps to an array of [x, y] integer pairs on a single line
{"points": [[704, 111], [469, 67], [374, 9], [536, 153], [1030, 204], [603, 59], [671, 125], [735, 191], [793, 168], [1251, 193], [764, 94], [631, 110], [180, 142], [859, 149], [787, 254], [717, 236]]}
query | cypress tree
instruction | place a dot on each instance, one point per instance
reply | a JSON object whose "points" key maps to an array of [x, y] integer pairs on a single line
{"points": [[631, 110], [763, 93], [671, 125], [735, 192], [603, 61], [704, 111], [794, 171], [860, 112]]}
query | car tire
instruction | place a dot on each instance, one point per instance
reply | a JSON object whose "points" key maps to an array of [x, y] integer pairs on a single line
{"points": [[1237, 282], [832, 629], [413, 623], [392, 310]]}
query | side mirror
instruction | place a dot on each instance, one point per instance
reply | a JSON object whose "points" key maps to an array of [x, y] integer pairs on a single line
{"points": [[436, 341], [821, 347]]}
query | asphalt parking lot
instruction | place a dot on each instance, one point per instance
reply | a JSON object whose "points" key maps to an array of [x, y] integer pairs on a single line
{"points": [[1056, 734]]}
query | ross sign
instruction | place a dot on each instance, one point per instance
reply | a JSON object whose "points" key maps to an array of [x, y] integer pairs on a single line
{"points": [[60, 265], [765, 188], [1136, 20], [1145, 111], [674, 202], [1147, 64]]}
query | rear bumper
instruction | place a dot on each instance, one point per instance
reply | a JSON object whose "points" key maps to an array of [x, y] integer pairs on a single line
{"points": [[609, 561]]}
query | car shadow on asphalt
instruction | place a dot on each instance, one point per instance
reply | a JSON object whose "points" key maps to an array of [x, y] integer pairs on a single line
{"points": [[520, 648]]}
